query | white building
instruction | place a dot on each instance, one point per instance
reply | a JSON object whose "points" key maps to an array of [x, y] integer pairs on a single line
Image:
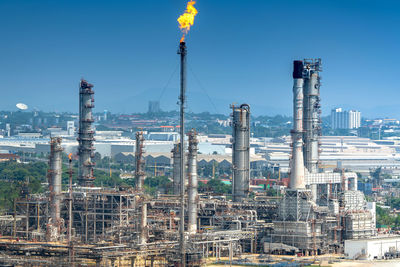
{"points": [[342, 119], [70, 128], [354, 119], [373, 248]]}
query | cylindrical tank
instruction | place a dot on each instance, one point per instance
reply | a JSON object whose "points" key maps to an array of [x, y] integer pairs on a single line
{"points": [[193, 183], [240, 152]]}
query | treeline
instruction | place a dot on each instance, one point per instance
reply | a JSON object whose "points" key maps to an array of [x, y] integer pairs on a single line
{"points": [[385, 218], [18, 179]]}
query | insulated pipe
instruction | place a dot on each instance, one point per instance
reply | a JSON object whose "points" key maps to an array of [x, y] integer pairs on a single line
{"points": [[297, 172], [192, 190]]}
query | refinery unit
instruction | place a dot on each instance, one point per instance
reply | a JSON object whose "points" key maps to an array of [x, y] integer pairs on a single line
{"points": [[80, 224]]}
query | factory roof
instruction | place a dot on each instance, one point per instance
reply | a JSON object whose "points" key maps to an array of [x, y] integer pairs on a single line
{"points": [[378, 238]]}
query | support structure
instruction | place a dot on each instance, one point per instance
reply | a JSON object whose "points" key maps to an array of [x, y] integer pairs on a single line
{"points": [[240, 152], [54, 177], [140, 174], [192, 190], [182, 52], [85, 134]]}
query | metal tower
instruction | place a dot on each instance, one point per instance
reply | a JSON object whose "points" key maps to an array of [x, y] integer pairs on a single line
{"points": [[85, 134], [54, 178], [311, 113]]}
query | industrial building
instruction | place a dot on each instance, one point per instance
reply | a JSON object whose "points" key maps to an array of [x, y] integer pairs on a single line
{"points": [[373, 248]]}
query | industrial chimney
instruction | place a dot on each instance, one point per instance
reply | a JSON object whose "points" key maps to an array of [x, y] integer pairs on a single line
{"points": [[192, 174], [54, 179], [240, 152], [85, 134], [140, 171], [297, 172]]}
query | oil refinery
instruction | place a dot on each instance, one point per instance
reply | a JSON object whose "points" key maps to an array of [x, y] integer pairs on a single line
{"points": [[83, 225]]}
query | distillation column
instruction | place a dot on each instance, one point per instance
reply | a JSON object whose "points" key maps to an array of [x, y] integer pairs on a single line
{"points": [[297, 172], [192, 174], [140, 174], [176, 165], [240, 152], [54, 179], [85, 134], [312, 111], [143, 224]]}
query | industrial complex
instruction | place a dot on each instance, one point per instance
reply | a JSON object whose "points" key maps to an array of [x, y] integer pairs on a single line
{"points": [[318, 211], [81, 224]]}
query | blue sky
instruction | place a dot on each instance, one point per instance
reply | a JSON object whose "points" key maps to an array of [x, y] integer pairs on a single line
{"points": [[239, 51]]}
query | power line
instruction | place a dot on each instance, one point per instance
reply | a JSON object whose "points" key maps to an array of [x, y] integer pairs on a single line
{"points": [[202, 88], [168, 82]]}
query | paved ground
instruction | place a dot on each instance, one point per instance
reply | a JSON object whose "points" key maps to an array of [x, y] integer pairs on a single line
{"points": [[323, 261], [386, 263]]}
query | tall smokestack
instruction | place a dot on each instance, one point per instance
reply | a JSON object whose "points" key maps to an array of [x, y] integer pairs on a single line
{"points": [[176, 165], [192, 191], [139, 173], [182, 51], [311, 114], [85, 134], [297, 180], [54, 177], [240, 152]]}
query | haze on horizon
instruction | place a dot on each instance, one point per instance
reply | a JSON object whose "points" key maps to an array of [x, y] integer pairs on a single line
{"points": [[239, 51]]}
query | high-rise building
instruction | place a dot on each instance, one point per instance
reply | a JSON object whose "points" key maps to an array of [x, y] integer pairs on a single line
{"points": [[8, 129], [105, 114], [154, 107], [70, 128], [354, 119], [343, 119]]}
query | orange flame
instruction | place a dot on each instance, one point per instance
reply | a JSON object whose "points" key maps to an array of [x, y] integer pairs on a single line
{"points": [[70, 156], [187, 19]]}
